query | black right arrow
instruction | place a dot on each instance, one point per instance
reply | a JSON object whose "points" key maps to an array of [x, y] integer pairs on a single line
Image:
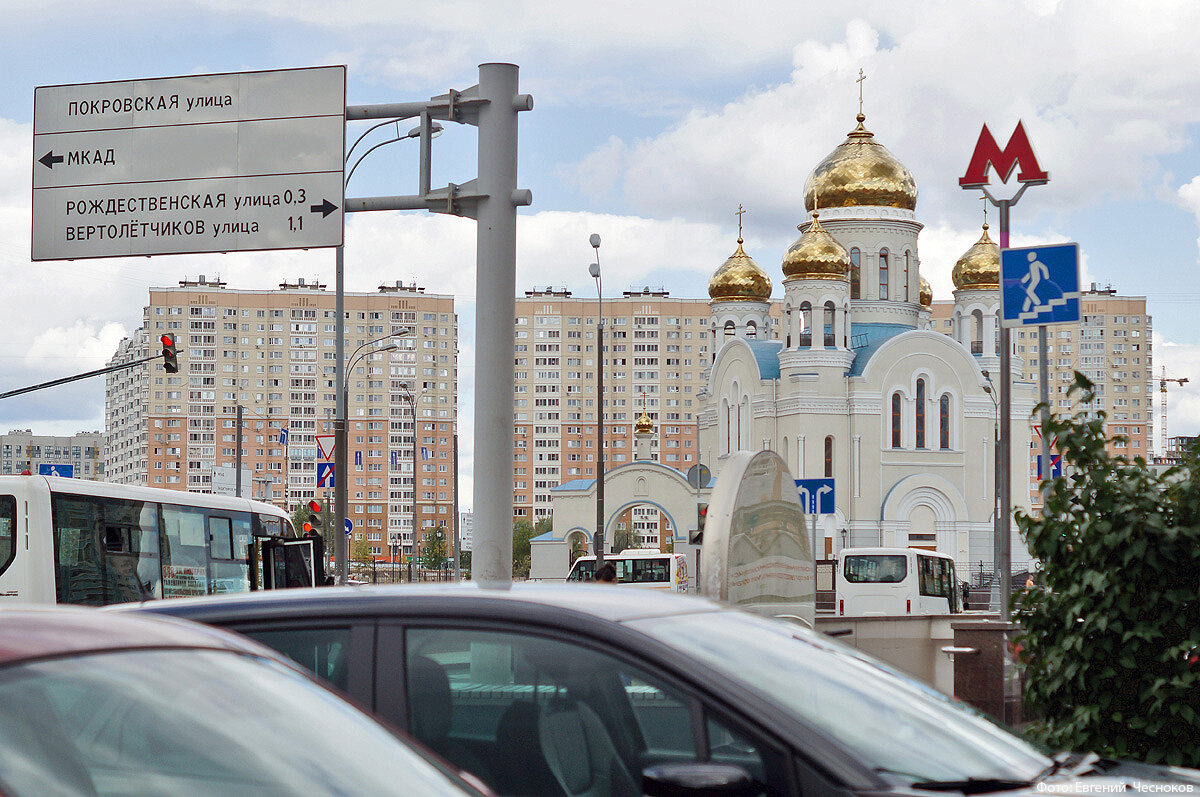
{"points": [[49, 159], [325, 208]]}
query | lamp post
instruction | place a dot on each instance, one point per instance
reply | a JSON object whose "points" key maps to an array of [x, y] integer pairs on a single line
{"points": [[341, 467], [999, 527], [598, 538], [412, 405]]}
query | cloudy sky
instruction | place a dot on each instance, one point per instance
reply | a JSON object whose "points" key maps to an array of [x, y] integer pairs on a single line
{"points": [[652, 122]]}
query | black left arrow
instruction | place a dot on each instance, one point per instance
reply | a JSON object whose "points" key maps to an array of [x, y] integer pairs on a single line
{"points": [[49, 159], [325, 208]]}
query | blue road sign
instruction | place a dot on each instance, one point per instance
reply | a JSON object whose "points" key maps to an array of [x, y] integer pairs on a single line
{"points": [[325, 474], [349, 526], [67, 471], [358, 459], [283, 436], [816, 496], [1039, 285], [1055, 466]]}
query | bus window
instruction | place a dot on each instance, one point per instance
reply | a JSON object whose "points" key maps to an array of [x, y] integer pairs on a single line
{"points": [[267, 526], [936, 577], [229, 540], [875, 569], [185, 552], [105, 549], [650, 571], [583, 571], [8, 530]]}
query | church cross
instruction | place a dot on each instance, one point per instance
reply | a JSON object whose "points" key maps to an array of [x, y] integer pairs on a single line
{"points": [[861, 78]]}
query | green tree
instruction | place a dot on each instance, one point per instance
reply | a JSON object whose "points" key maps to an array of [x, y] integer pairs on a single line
{"points": [[1111, 637], [433, 549], [464, 564], [622, 539], [522, 533]]}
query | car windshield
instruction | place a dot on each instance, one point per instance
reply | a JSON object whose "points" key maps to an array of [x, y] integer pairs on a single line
{"points": [[193, 722], [889, 722]]}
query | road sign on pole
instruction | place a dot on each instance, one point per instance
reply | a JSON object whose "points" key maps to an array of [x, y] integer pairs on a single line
{"points": [[67, 471], [816, 496], [349, 526], [325, 444], [325, 474], [698, 476], [203, 163], [1039, 285]]}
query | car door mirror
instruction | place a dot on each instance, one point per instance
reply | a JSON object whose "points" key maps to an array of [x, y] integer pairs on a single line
{"points": [[696, 778]]}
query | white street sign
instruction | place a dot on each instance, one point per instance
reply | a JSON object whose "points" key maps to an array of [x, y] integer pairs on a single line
{"points": [[209, 163]]}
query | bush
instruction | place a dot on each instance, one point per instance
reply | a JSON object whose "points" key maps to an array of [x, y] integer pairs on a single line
{"points": [[1112, 633]]}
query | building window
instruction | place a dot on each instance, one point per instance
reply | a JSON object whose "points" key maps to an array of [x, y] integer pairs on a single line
{"points": [[828, 324], [805, 324], [728, 330], [855, 273], [751, 330], [907, 261], [944, 422], [920, 413], [883, 273], [895, 420], [829, 457]]}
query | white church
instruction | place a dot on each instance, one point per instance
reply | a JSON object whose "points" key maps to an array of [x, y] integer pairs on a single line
{"points": [[853, 384]]}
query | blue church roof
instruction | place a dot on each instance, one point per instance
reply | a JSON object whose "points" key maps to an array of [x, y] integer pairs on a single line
{"points": [[866, 339], [766, 353], [575, 484]]}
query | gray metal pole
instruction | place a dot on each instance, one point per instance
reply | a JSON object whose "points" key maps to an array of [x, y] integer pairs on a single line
{"points": [[1004, 544], [416, 531], [1044, 400], [340, 476], [495, 292], [237, 476], [598, 542], [454, 549]]}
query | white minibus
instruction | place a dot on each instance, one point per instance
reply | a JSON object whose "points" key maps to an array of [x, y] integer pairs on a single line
{"points": [[638, 567], [895, 581], [95, 543]]}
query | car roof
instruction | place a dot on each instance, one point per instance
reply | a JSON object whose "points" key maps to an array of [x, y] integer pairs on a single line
{"points": [[35, 632], [602, 602]]}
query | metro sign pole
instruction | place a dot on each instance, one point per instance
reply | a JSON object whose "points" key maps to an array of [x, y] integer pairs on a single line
{"points": [[1017, 152]]}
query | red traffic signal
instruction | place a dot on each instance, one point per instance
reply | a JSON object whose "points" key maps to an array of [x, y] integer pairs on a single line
{"points": [[314, 506], [170, 358], [307, 527]]}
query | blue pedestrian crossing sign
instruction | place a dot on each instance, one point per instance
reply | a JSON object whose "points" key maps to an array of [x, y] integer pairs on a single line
{"points": [[325, 474], [66, 471], [1039, 285], [816, 496]]}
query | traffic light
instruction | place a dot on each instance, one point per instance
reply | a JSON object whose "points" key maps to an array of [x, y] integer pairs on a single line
{"points": [[170, 359], [314, 520], [697, 536]]}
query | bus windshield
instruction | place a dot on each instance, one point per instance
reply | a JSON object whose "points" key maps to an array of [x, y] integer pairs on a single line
{"points": [[875, 568]]}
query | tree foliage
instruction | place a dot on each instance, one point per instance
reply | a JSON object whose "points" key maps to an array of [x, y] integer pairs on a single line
{"points": [[433, 549], [523, 532], [1111, 639]]}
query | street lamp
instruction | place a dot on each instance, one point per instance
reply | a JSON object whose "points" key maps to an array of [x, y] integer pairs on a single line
{"points": [[341, 467], [594, 270], [412, 404], [997, 524]]}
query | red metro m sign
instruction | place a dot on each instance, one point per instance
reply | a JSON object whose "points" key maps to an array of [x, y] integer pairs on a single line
{"points": [[1018, 152]]}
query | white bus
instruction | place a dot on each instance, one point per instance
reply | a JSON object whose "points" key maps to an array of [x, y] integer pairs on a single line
{"points": [[94, 543], [895, 581], [638, 567]]}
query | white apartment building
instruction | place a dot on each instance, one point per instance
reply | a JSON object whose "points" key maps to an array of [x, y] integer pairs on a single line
{"points": [[273, 352], [83, 452]]}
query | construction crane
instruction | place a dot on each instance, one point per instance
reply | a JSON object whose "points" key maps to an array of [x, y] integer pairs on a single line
{"points": [[1162, 388]]}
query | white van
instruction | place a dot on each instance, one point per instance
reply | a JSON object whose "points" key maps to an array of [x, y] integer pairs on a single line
{"points": [[638, 567], [895, 581]]}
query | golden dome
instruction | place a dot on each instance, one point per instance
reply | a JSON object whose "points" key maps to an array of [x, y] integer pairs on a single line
{"points": [[739, 277], [816, 256], [644, 425], [979, 267], [926, 293], [860, 171]]}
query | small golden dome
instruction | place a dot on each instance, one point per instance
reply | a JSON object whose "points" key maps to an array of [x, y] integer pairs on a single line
{"points": [[861, 171], [739, 278], [816, 256], [644, 425], [926, 293], [979, 267]]}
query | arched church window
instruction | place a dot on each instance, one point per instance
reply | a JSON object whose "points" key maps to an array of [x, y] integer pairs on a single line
{"points": [[828, 324], [977, 332], [805, 324], [729, 330], [728, 425], [751, 330], [855, 273], [907, 263], [883, 273], [829, 457], [944, 422], [920, 413], [895, 420]]}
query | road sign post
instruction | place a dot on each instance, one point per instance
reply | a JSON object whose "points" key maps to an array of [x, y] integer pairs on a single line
{"points": [[203, 163], [817, 498]]}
